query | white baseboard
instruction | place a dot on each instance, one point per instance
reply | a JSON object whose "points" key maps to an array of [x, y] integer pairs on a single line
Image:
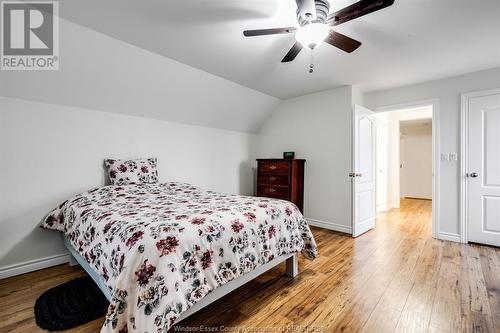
{"points": [[449, 237], [33, 265], [330, 226]]}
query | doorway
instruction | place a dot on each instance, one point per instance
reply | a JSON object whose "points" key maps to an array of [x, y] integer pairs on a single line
{"points": [[406, 161], [404, 156]]}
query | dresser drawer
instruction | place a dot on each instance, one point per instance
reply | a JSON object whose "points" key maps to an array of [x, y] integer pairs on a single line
{"points": [[275, 191], [275, 167], [272, 179]]}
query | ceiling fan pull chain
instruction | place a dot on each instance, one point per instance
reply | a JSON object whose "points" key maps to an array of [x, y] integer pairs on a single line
{"points": [[311, 65]]}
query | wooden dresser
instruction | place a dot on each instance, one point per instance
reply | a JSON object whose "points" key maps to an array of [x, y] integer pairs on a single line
{"points": [[281, 179]]}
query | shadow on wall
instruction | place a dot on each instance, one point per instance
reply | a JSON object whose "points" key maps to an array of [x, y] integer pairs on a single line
{"points": [[105, 177], [17, 248], [247, 174]]}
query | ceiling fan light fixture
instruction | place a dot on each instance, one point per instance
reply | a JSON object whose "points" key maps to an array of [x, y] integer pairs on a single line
{"points": [[313, 34]]}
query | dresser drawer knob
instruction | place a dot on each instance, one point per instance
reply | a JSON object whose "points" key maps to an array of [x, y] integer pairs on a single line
{"points": [[272, 190], [272, 167], [272, 179]]}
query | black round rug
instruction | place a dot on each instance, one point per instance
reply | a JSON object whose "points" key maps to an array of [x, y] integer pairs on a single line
{"points": [[70, 304]]}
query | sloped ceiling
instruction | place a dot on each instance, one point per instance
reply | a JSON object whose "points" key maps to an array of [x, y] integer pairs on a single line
{"points": [[102, 73], [187, 61], [409, 42]]}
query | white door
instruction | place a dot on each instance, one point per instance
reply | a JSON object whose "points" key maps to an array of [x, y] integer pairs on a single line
{"points": [[363, 173], [483, 168]]}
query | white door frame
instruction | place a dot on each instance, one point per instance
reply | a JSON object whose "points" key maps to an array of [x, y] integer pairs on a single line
{"points": [[464, 138], [435, 158]]}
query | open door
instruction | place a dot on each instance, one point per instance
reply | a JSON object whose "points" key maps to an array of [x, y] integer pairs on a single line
{"points": [[482, 158], [363, 172]]}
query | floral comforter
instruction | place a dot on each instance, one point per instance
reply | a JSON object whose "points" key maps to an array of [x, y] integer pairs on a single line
{"points": [[163, 247]]}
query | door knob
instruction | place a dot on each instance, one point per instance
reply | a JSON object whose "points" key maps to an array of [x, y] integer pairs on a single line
{"points": [[473, 174]]}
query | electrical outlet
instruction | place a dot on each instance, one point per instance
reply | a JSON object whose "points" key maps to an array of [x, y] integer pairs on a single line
{"points": [[445, 157], [453, 157]]}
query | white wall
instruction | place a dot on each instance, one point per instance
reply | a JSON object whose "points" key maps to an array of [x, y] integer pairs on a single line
{"points": [[383, 161], [416, 159], [49, 153], [447, 91], [317, 127]]}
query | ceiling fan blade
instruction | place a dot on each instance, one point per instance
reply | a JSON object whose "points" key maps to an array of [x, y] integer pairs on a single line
{"points": [[274, 31], [292, 53], [343, 42], [356, 10]]}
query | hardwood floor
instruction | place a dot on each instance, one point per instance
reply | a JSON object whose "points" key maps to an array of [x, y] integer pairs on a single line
{"points": [[395, 278]]}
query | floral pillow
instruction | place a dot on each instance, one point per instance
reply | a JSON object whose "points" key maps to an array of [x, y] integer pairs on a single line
{"points": [[138, 171]]}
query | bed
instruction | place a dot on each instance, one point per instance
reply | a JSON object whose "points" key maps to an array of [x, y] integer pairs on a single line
{"points": [[160, 252]]}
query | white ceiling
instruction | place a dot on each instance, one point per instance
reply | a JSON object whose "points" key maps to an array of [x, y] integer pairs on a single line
{"points": [[409, 42], [416, 126], [424, 122]]}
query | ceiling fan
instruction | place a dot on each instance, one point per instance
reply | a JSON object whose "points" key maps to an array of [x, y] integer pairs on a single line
{"points": [[315, 25]]}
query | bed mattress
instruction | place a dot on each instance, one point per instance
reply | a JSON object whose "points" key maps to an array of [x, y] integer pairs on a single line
{"points": [[160, 248]]}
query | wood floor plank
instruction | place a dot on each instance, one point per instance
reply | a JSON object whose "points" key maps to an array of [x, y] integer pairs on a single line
{"points": [[412, 322], [490, 264], [446, 311], [388, 270], [395, 278], [382, 319]]}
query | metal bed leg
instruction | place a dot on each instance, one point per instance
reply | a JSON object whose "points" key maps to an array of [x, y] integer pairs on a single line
{"points": [[72, 261], [292, 266]]}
